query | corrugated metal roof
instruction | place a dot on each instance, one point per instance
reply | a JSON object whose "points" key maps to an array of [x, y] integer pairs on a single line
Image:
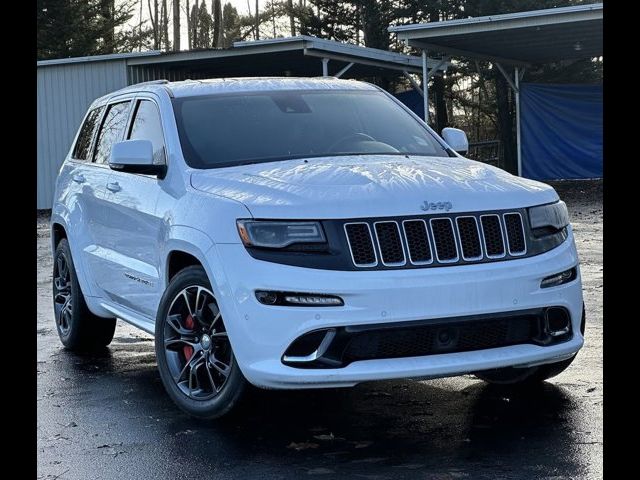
{"points": [[537, 36], [307, 45], [98, 58]]}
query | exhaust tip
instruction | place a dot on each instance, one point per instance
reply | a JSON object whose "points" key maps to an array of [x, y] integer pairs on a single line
{"points": [[557, 321]]}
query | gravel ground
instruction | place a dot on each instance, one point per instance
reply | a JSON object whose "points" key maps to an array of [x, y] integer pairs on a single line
{"points": [[106, 416]]}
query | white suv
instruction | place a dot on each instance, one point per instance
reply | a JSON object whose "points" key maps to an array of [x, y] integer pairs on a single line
{"points": [[304, 233]]}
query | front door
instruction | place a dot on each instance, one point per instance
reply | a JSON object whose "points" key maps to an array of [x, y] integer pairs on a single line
{"points": [[134, 223]]}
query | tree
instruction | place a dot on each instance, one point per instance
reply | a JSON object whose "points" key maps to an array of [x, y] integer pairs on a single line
{"points": [[107, 8], [231, 26], [218, 34], [75, 28], [292, 18], [164, 16], [155, 23], [256, 26], [202, 25], [176, 25], [376, 15], [193, 26]]}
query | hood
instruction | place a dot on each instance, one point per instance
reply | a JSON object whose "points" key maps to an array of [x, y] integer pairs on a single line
{"points": [[370, 186]]}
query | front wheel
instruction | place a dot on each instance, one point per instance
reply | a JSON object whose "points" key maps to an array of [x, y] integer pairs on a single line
{"points": [[195, 358]]}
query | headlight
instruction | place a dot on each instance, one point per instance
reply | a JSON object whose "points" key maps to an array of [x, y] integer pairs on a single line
{"points": [[270, 234], [554, 215]]}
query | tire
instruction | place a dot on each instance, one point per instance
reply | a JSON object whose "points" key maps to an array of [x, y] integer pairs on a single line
{"points": [[528, 376], [196, 362], [77, 327]]}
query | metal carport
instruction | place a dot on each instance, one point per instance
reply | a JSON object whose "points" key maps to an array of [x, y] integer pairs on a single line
{"points": [[67, 86], [514, 39]]}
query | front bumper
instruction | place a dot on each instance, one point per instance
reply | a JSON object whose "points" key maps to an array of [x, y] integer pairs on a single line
{"points": [[260, 334]]}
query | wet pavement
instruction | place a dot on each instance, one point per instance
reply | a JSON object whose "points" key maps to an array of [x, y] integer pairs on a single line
{"points": [[106, 415]]}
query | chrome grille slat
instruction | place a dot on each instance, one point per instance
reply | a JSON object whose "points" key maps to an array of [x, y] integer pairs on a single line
{"points": [[436, 239]]}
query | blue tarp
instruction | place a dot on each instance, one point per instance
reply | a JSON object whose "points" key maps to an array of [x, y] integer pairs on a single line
{"points": [[561, 128], [413, 100]]}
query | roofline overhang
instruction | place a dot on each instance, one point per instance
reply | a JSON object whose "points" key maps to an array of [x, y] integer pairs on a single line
{"points": [[426, 35]]}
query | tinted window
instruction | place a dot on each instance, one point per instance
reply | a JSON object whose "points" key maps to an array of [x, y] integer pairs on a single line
{"points": [[81, 149], [147, 126], [111, 131], [222, 130]]}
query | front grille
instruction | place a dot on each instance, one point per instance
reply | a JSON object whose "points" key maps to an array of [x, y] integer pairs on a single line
{"points": [[440, 338], [436, 240]]}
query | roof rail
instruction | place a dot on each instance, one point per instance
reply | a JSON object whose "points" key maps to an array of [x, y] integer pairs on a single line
{"points": [[151, 82]]}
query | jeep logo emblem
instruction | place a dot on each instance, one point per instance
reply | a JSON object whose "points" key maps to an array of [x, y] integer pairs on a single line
{"points": [[426, 206]]}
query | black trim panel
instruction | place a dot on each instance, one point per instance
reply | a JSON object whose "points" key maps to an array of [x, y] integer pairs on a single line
{"points": [[472, 332]]}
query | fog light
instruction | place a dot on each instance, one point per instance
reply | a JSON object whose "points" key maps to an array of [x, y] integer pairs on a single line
{"points": [[559, 278], [267, 297]]}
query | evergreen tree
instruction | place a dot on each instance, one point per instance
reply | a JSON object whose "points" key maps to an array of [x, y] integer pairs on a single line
{"points": [[75, 28], [231, 26]]}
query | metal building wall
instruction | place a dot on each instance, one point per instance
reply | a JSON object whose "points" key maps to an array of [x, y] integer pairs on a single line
{"points": [[64, 93], [143, 73]]}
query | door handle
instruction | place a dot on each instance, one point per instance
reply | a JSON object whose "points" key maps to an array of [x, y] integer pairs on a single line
{"points": [[78, 178], [114, 187]]}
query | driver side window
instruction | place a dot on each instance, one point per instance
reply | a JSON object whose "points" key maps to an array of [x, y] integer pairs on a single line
{"points": [[147, 126]]}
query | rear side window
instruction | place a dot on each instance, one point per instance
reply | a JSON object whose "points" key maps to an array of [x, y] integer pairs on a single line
{"points": [[83, 144], [111, 130], [147, 126]]}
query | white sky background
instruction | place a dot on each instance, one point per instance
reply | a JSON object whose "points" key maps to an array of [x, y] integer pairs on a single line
{"points": [[241, 6]]}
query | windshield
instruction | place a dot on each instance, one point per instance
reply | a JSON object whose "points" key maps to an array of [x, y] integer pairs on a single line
{"points": [[224, 130]]}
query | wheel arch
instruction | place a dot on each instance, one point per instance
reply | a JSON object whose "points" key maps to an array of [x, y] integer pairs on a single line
{"points": [[190, 243], [58, 232], [185, 246]]}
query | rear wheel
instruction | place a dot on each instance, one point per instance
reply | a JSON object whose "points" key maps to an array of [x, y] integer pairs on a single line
{"points": [[77, 327], [528, 376], [195, 358]]}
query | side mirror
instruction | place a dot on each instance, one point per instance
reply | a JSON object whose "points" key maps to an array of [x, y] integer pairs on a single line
{"points": [[456, 139], [135, 156]]}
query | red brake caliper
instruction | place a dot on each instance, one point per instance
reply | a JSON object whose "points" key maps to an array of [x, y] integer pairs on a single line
{"points": [[188, 349]]}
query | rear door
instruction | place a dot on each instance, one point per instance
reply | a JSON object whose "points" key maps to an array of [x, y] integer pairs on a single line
{"points": [[77, 190], [134, 223], [96, 176]]}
